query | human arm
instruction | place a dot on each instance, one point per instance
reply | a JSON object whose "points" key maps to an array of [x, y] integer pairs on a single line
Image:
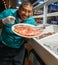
{"points": [[6, 16]]}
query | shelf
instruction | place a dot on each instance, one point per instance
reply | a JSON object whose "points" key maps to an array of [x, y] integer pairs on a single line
{"points": [[38, 16], [52, 14], [45, 14], [48, 15], [40, 5], [46, 2], [51, 1]]}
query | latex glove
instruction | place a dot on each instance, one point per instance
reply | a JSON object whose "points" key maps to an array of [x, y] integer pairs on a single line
{"points": [[8, 20]]}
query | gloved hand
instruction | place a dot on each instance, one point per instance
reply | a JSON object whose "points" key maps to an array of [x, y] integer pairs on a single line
{"points": [[8, 20]]}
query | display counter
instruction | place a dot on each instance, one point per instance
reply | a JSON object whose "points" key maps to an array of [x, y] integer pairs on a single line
{"points": [[47, 47]]}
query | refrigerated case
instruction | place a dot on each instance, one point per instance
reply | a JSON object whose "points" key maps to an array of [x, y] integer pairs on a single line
{"points": [[46, 47]]}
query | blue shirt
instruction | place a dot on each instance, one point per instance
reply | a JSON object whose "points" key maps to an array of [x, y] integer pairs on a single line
{"points": [[7, 37]]}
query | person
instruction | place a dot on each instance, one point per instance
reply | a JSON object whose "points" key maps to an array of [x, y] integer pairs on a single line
{"points": [[12, 49]]}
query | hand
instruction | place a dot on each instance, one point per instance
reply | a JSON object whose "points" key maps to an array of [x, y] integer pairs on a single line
{"points": [[8, 20]]}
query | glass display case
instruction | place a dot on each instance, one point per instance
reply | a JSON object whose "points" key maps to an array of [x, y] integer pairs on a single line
{"points": [[47, 11]]}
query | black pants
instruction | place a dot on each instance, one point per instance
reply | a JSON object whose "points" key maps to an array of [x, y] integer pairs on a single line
{"points": [[11, 56]]}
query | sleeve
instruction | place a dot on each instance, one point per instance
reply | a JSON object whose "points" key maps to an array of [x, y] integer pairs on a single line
{"points": [[30, 20], [5, 14]]}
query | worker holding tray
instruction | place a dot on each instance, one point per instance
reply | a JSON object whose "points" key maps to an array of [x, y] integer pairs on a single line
{"points": [[12, 48]]}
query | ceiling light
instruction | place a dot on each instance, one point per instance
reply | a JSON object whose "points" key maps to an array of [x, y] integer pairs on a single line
{"points": [[19, 2]]}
